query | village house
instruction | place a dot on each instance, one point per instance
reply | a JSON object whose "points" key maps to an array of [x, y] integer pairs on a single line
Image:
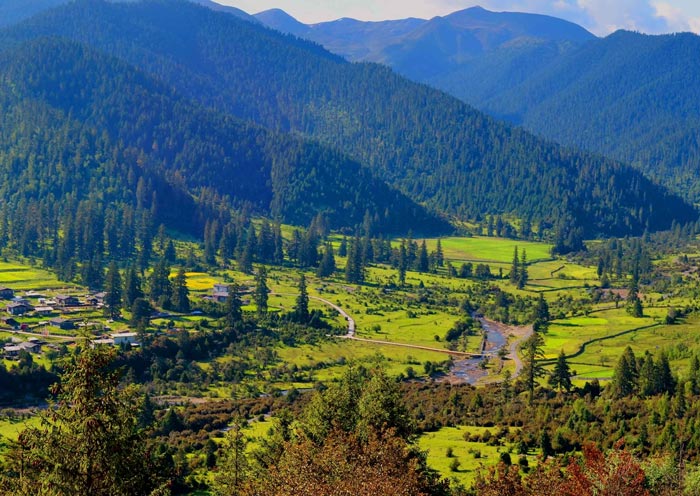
{"points": [[11, 351], [6, 293], [220, 293], [67, 301], [124, 338], [18, 308], [30, 346], [61, 323], [43, 311], [96, 299]]}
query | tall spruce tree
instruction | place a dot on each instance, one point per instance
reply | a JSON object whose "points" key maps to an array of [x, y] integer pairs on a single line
{"points": [[301, 306], [327, 266], [514, 267], [113, 288], [262, 291], [181, 294], [89, 441], [561, 374]]}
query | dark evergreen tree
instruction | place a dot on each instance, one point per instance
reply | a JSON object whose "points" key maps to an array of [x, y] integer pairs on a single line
{"points": [[561, 374], [132, 286], [181, 294], [262, 291], [234, 314], [113, 288], [327, 266], [423, 260], [301, 306]]}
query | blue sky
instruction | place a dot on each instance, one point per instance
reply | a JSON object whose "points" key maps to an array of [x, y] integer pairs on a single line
{"points": [[599, 16]]}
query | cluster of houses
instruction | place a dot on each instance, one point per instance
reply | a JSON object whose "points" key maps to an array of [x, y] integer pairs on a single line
{"points": [[17, 306], [32, 345]]}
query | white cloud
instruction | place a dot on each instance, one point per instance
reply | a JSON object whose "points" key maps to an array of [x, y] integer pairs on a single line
{"points": [[676, 18]]}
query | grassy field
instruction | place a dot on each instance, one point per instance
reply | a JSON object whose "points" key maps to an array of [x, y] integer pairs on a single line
{"points": [[25, 277], [472, 456], [481, 248]]}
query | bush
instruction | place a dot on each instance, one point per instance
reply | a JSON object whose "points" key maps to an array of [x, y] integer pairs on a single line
{"points": [[454, 465]]}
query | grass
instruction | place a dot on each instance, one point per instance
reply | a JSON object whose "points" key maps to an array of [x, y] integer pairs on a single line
{"points": [[337, 353], [437, 444], [19, 276], [481, 248]]}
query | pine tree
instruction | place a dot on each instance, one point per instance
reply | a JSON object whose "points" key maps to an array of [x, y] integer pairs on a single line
{"points": [[624, 380], [301, 307], [113, 287], [89, 441], [261, 291], [234, 313], [523, 275], [327, 266], [343, 248], [160, 287], [246, 258], [181, 295], [561, 374], [423, 261], [514, 268], [439, 255], [532, 370], [402, 263], [132, 286]]}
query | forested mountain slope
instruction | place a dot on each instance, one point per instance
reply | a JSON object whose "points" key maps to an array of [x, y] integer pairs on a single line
{"points": [[630, 96], [124, 125], [433, 147]]}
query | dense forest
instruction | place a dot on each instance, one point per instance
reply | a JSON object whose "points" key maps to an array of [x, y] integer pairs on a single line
{"points": [[429, 145], [71, 150]]}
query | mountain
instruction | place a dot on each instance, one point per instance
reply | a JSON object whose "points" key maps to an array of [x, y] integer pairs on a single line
{"points": [[432, 147], [473, 54], [628, 96], [13, 11], [631, 96], [192, 156]]}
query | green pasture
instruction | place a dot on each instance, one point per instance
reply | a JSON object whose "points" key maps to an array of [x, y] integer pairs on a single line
{"points": [[19, 277], [570, 334], [481, 248], [333, 357], [472, 456]]}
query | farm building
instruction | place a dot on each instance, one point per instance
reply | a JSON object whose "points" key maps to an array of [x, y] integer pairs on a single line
{"points": [[6, 293], [67, 301], [17, 308], [124, 337], [61, 323]]}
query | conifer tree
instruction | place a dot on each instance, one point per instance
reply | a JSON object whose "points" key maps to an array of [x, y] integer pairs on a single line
{"points": [[181, 295], [327, 266], [90, 440], [561, 374], [261, 291], [301, 306], [132, 286], [532, 370], [523, 275], [423, 261], [514, 267], [439, 255], [234, 313], [113, 288]]}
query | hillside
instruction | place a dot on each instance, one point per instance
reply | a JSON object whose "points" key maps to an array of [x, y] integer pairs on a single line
{"points": [[620, 96], [432, 147], [630, 96], [190, 158]]}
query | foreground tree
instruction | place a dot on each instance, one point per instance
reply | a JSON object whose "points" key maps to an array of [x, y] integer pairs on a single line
{"points": [[89, 441], [532, 370]]}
